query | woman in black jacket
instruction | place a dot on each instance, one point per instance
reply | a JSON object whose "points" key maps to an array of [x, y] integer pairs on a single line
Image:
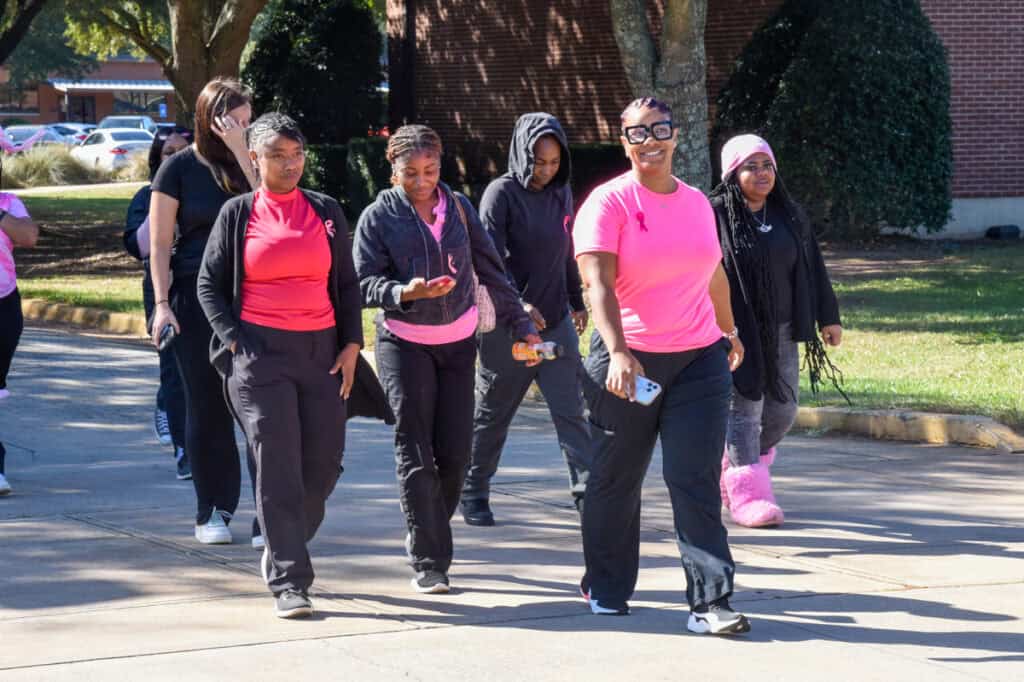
{"points": [[169, 415], [781, 296], [280, 292], [417, 247]]}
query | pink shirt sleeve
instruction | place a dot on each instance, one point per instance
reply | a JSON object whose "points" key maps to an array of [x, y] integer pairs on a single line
{"points": [[599, 223]]}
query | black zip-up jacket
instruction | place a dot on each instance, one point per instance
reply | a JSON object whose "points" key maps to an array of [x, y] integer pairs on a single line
{"points": [[814, 302], [220, 293], [393, 246], [532, 230]]}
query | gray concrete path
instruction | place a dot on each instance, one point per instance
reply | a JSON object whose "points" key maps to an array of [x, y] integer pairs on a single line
{"points": [[897, 562]]}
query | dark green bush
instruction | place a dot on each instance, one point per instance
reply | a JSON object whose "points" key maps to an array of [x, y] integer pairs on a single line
{"points": [[326, 169], [367, 172], [858, 115], [319, 61], [593, 164]]}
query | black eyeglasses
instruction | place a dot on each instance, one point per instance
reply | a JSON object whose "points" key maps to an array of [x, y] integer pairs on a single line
{"points": [[659, 130]]}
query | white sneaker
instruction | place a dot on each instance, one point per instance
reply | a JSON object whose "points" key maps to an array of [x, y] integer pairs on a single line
{"points": [[5, 487], [215, 531], [717, 618]]}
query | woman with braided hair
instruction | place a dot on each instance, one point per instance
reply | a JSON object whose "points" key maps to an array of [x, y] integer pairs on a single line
{"points": [[416, 249], [780, 292]]}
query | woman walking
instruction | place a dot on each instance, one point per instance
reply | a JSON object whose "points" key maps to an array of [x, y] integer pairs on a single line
{"points": [[528, 213], [278, 287], [169, 413], [17, 230], [649, 255], [416, 250], [188, 192], [781, 296]]}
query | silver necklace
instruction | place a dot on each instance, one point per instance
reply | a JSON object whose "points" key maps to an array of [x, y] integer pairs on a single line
{"points": [[762, 224]]}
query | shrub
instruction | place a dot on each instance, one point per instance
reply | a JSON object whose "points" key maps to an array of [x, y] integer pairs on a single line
{"points": [[593, 164], [858, 116], [136, 171], [319, 61], [326, 169], [46, 165], [367, 173]]}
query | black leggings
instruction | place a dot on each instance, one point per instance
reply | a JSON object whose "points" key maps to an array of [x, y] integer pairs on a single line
{"points": [[209, 427], [11, 325]]}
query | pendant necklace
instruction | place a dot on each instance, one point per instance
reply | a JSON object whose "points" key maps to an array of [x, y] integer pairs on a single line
{"points": [[762, 225]]}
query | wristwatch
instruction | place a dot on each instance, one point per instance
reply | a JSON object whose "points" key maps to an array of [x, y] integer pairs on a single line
{"points": [[733, 334]]}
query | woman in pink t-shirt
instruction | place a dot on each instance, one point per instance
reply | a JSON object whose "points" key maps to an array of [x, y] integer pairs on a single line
{"points": [[16, 230], [649, 256]]}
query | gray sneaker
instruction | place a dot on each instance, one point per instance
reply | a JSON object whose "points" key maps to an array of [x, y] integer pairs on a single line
{"points": [[293, 604], [431, 582], [717, 618]]}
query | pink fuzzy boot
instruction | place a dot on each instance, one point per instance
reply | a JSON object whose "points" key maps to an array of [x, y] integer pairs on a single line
{"points": [[768, 458], [721, 479], [750, 493]]}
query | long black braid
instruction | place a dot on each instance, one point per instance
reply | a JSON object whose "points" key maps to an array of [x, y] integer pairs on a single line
{"points": [[754, 271]]}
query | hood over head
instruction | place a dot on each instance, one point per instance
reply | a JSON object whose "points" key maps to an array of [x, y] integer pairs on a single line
{"points": [[530, 128]]}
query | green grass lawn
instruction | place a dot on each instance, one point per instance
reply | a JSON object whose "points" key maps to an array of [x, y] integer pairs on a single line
{"points": [[924, 329]]}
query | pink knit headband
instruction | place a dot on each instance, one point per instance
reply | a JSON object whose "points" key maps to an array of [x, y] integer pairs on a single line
{"points": [[739, 149]]}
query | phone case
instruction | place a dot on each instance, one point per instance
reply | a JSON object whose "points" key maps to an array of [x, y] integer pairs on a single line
{"points": [[647, 391]]}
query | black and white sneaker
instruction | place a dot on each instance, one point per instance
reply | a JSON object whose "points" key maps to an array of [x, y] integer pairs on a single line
{"points": [[184, 469], [717, 618], [293, 604], [431, 582], [604, 608], [162, 427]]}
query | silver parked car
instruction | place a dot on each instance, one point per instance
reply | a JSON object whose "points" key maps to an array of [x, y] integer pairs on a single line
{"points": [[112, 148], [140, 122]]}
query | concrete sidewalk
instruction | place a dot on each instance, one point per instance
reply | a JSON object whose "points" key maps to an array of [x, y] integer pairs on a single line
{"points": [[897, 561]]}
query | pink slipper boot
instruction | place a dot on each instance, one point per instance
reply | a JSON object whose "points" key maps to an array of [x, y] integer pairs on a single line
{"points": [[768, 458], [721, 480], [750, 492]]}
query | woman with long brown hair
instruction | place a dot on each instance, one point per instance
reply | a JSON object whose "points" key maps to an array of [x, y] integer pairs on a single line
{"points": [[188, 192]]}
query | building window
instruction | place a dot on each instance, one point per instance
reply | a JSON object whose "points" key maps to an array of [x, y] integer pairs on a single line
{"points": [[14, 101], [138, 103]]}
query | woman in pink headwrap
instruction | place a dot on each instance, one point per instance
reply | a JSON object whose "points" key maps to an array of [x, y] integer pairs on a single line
{"points": [[781, 296]]}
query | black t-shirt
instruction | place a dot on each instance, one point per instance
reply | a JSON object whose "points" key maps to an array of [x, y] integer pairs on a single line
{"points": [[783, 255], [190, 181]]}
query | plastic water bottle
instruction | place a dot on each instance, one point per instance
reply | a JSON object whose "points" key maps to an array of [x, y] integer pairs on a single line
{"points": [[549, 350]]}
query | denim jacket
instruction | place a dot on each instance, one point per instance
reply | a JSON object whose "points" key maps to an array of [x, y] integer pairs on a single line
{"points": [[393, 246]]}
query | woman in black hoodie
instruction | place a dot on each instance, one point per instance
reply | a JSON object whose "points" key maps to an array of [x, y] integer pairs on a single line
{"points": [[416, 250], [528, 212]]}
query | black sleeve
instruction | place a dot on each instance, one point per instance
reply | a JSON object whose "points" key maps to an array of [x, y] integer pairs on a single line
{"points": [[494, 215], [138, 211], [488, 267], [828, 305], [170, 176], [573, 282], [348, 314], [371, 259], [216, 275]]}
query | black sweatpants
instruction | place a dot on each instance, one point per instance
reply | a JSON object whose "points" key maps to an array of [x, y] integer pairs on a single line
{"points": [[294, 421], [209, 427], [12, 323], [170, 396], [690, 418], [430, 389]]}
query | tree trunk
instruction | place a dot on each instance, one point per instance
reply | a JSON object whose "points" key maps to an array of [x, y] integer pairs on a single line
{"points": [[25, 12], [674, 72], [208, 39]]}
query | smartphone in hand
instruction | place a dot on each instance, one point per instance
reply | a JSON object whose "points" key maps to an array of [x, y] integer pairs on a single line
{"points": [[167, 336], [647, 391]]}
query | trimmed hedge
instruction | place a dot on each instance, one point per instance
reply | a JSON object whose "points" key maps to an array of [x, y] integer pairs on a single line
{"points": [[854, 98]]}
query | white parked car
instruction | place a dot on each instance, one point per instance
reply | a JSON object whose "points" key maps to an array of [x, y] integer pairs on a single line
{"points": [[140, 122], [112, 148]]}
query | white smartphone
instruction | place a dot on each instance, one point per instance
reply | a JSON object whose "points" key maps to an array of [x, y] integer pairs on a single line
{"points": [[647, 391]]}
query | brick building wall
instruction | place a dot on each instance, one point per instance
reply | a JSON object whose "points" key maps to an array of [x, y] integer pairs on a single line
{"points": [[477, 65]]}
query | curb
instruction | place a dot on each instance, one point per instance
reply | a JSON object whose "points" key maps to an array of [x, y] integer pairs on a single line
{"points": [[91, 318], [903, 425]]}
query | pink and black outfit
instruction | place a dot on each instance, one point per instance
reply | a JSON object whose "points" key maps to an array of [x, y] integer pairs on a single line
{"points": [[426, 350], [667, 251], [12, 322], [277, 281]]}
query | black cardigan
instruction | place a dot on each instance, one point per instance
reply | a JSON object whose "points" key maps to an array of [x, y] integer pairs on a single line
{"points": [[814, 302], [220, 286]]}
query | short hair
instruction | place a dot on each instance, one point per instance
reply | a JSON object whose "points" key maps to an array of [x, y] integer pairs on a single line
{"points": [[412, 139], [642, 103], [270, 124]]}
